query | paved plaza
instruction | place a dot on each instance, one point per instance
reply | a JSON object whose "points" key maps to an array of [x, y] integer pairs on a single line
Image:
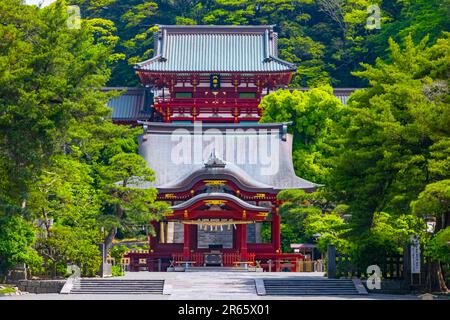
{"points": [[210, 286]]}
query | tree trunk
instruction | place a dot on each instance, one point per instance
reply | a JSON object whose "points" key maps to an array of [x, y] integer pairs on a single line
{"points": [[109, 238], [53, 270], [435, 279], [441, 278], [113, 231]]}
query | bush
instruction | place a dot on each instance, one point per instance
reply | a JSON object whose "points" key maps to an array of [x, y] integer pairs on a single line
{"points": [[16, 243], [117, 271]]}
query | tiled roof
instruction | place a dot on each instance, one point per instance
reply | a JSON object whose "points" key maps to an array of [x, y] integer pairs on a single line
{"points": [[216, 49], [342, 94], [130, 106], [241, 150]]}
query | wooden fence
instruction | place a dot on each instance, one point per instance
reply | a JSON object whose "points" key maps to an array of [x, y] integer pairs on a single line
{"points": [[341, 265], [229, 258]]}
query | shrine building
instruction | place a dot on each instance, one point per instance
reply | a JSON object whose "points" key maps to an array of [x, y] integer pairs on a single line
{"points": [[218, 168]]}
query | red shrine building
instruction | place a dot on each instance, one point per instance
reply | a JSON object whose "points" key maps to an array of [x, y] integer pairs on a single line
{"points": [[218, 168]]}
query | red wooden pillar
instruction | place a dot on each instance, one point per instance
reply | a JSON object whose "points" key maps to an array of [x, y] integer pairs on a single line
{"points": [[243, 242], [194, 114], [237, 237], [276, 237], [153, 240], [186, 247], [193, 233]]}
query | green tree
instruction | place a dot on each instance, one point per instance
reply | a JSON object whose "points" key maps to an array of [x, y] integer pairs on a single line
{"points": [[132, 22], [17, 237], [57, 139], [329, 228], [48, 76], [313, 114], [383, 149], [418, 18], [388, 235], [434, 201], [311, 217], [66, 206], [326, 38], [129, 201]]}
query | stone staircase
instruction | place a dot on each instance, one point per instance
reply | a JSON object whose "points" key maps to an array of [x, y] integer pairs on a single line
{"points": [[207, 285], [117, 286], [304, 287]]}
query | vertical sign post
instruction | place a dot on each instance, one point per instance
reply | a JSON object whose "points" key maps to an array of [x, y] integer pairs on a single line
{"points": [[415, 257]]}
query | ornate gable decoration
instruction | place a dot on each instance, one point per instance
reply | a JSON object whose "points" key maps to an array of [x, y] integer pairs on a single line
{"points": [[214, 161]]}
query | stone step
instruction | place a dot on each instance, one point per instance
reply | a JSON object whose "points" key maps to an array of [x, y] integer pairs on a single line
{"points": [[116, 286], [113, 292], [315, 293], [299, 287], [119, 285], [119, 289], [118, 281], [312, 285], [217, 269]]}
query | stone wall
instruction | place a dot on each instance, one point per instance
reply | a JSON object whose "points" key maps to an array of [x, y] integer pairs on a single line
{"points": [[41, 286], [390, 286], [16, 274]]}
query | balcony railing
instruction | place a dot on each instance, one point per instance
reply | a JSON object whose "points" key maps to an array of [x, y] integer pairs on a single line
{"points": [[211, 102]]}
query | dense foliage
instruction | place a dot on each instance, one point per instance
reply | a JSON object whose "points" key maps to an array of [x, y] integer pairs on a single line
{"points": [[385, 155], [68, 176], [60, 154], [326, 38], [312, 114]]}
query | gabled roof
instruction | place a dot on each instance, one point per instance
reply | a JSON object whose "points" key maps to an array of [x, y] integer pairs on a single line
{"points": [[216, 49]]}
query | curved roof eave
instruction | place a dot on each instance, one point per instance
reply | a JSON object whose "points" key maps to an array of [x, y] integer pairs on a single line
{"points": [[246, 182], [218, 196]]}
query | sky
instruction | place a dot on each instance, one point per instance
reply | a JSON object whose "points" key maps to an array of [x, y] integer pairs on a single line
{"points": [[38, 2]]}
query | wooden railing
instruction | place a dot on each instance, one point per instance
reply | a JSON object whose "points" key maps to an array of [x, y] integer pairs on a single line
{"points": [[341, 265], [230, 258], [198, 257], [206, 101]]}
